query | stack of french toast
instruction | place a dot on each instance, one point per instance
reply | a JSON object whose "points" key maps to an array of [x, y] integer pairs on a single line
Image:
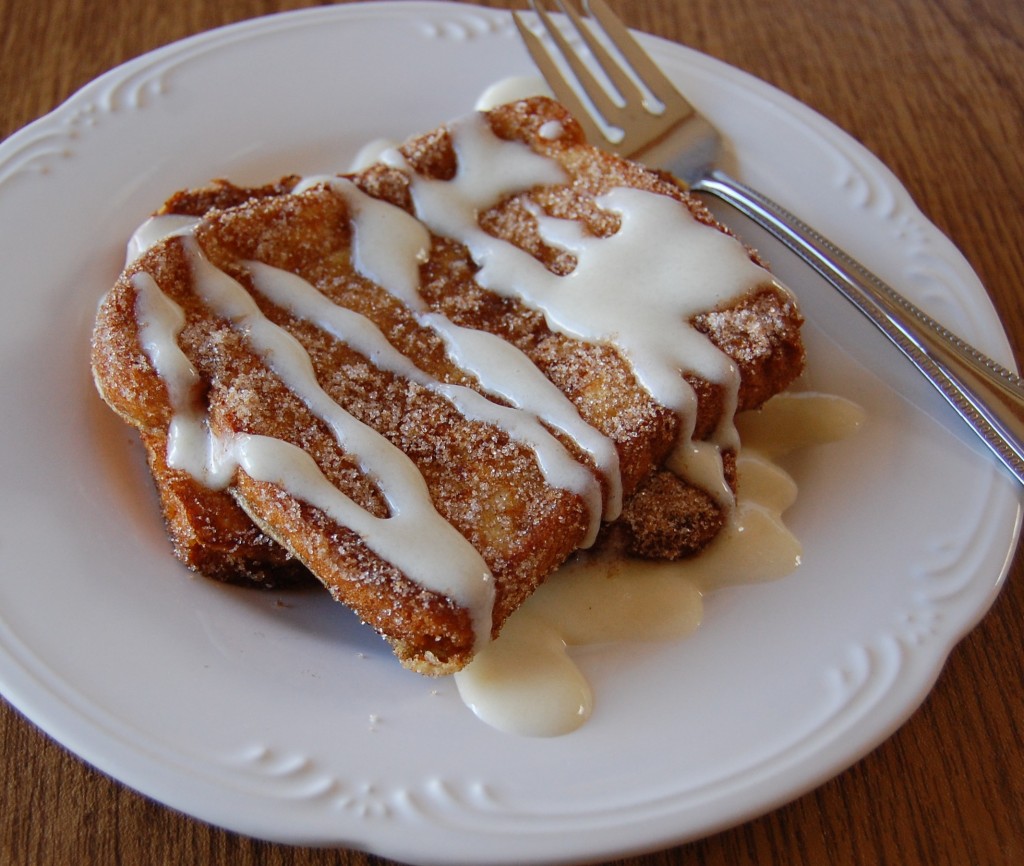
{"points": [[426, 384]]}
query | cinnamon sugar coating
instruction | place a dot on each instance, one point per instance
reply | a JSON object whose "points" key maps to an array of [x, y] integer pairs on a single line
{"points": [[485, 484]]}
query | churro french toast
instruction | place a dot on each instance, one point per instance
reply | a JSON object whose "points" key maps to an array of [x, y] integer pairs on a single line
{"points": [[430, 382]]}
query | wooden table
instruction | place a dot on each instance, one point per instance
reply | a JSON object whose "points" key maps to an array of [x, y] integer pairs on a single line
{"points": [[936, 89]]}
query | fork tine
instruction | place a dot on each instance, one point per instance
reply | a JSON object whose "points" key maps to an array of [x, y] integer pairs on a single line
{"points": [[594, 90], [622, 83], [627, 126], [564, 92], [642, 65]]}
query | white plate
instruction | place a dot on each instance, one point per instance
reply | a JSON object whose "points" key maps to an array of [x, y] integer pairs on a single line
{"points": [[281, 717]]}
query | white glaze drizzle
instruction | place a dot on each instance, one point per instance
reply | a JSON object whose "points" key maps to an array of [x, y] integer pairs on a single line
{"points": [[213, 461], [414, 537], [506, 372], [388, 247], [636, 290], [156, 229], [301, 299], [388, 244], [510, 89], [189, 444], [552, 130]]}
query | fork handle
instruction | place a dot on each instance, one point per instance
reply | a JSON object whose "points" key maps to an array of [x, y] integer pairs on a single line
{"points": [[985, 394]]}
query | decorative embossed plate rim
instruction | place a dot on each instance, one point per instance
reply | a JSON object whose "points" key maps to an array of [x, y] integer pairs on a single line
{"points": [[279, 716]]}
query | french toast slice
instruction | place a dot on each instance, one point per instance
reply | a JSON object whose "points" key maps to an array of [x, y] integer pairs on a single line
{"points": [[286, 355], [212, 535]]}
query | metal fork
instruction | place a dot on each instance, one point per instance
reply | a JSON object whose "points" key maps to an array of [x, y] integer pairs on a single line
{"points": [[674, 136]]}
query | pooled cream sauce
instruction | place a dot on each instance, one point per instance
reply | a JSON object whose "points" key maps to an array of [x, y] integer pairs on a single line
{"points": [[527, 683]]}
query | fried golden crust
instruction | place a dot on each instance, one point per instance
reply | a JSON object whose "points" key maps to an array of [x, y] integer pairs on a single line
{"points": [[212, 535], [485, 485]]}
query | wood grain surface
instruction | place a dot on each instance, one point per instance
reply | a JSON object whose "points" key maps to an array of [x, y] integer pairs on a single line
{"points": [[935, 88]]}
